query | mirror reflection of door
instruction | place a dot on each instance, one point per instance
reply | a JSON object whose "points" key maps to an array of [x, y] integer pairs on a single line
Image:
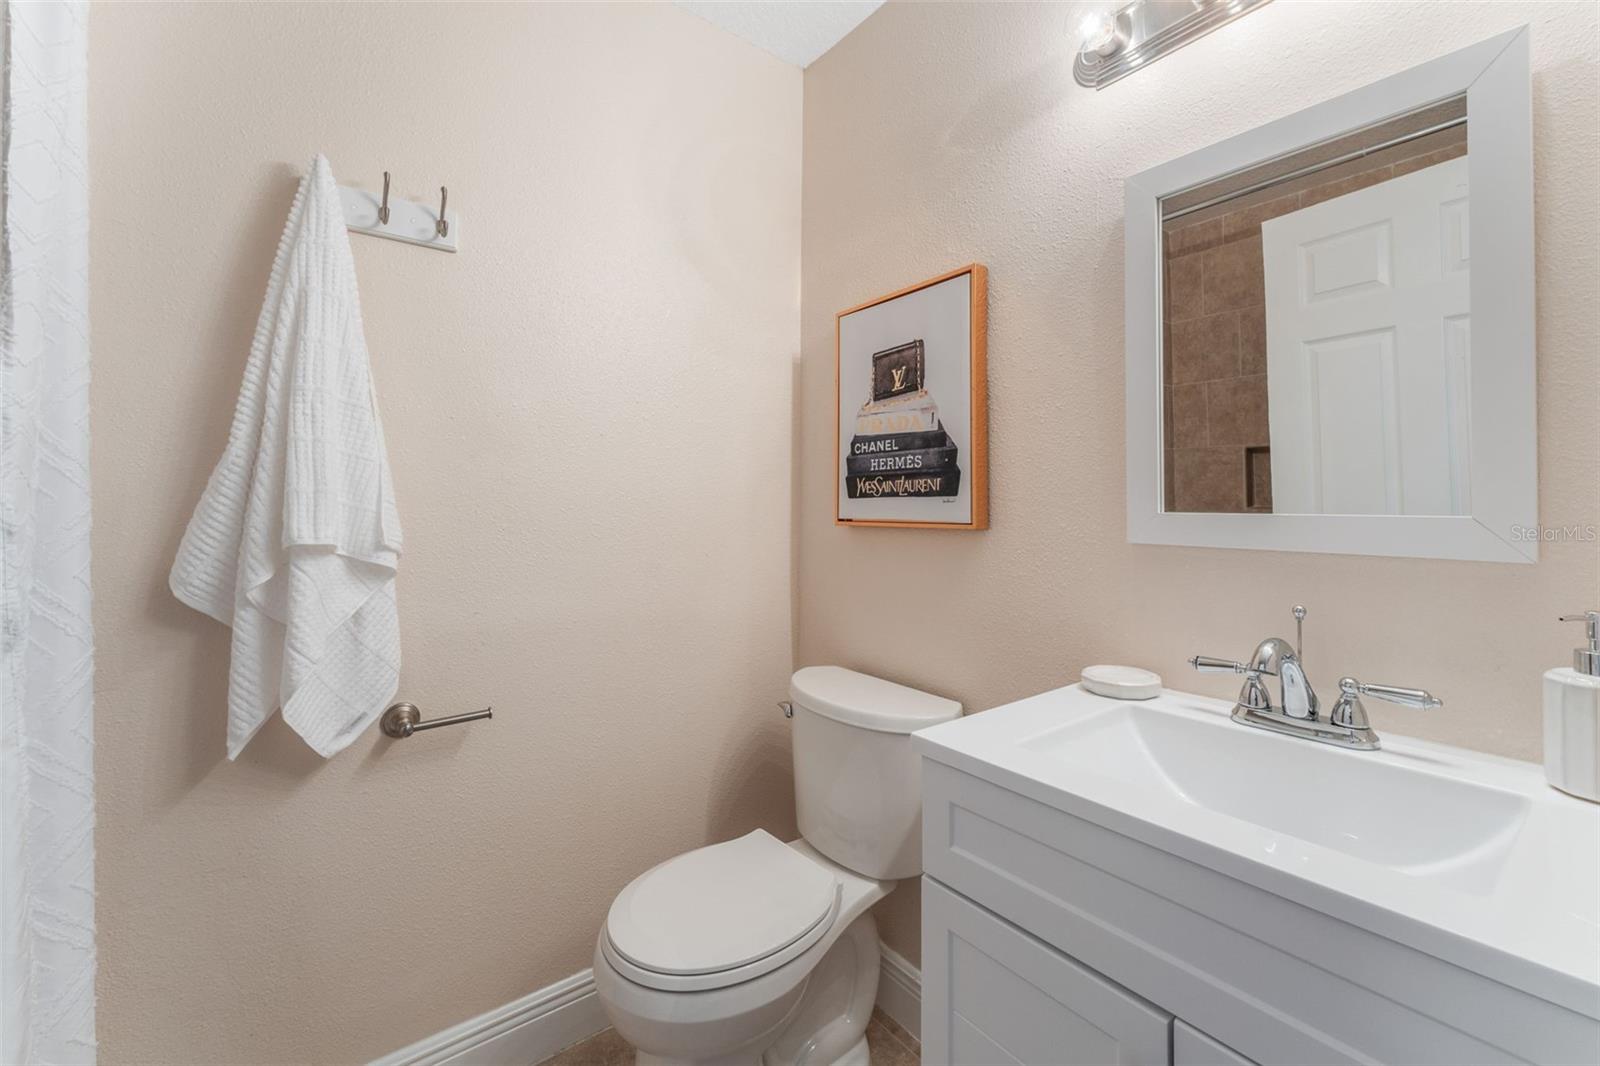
{"points": [[1317, 328], [1368, 342]]}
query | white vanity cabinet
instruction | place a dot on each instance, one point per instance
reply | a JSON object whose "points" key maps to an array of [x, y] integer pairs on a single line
{"points": [[1055, 935], [993, 994]]}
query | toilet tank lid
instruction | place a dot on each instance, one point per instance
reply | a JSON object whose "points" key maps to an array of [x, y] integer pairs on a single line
{"points": [[868, 702]]}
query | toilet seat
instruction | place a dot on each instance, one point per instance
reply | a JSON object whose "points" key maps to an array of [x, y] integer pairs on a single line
{"points": [[720, 915]]}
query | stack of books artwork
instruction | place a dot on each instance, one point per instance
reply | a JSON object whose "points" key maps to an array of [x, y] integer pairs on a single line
{"points": [[900, 447]]}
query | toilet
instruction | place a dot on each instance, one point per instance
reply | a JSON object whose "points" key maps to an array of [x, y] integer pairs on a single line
{"points": [[759, 951]]}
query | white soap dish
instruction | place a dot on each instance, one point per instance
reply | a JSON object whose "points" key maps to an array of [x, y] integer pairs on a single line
{"points": [[1121, 682]]}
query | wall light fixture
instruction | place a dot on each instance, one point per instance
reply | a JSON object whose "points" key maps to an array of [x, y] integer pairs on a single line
{"points": [[1113, 44]]}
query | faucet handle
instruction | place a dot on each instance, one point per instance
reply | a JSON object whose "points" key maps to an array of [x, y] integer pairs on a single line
{"points": [[1207, 664], [1254, 694], [1348, 712], [1420, 699]]}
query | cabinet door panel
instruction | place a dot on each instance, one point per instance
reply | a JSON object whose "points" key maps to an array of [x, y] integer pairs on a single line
{"points": [[992, 994], [1191, 1047], [968, 1043]]}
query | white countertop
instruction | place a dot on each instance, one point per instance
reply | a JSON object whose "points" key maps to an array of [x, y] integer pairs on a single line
{"points": [[1522, 906]]}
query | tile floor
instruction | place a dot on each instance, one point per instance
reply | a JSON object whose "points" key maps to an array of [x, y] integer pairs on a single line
{"points": [[889, 1044]]}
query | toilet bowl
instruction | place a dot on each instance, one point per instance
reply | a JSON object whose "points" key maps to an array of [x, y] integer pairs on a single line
{"points": [[757, 951], [737, 1013]]}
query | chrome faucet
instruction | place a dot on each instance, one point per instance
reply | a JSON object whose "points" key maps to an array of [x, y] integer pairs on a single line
{"points": [[1297, 711]]}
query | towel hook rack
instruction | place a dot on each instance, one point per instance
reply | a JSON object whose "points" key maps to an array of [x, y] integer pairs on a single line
{"points": [[396, 218]]}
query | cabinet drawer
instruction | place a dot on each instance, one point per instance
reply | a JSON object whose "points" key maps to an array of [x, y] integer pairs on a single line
{"points": [[991, 994]]}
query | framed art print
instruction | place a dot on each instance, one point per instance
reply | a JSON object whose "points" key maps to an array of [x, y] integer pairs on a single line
{"points": [[911, 431]]}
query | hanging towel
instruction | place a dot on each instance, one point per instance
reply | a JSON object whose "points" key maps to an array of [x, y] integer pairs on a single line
{"points": [[296, 541]]}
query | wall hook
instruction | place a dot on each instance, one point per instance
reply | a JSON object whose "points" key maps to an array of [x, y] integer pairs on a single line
{"points": [[399, 219]]}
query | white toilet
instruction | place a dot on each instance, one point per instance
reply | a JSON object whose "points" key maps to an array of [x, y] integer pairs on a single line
{"points": [[757, 951]]}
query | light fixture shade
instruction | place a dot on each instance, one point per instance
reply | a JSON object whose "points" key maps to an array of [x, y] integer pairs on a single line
{"points": [[1099, 35]]}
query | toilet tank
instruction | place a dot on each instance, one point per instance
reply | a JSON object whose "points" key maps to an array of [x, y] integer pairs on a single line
{"points": [[857, 781]]}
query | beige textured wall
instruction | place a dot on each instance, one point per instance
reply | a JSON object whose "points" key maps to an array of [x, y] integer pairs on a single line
{"points": [[588, 412], [937, 134]]}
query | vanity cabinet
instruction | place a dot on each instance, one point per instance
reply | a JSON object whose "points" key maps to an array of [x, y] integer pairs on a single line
{"points": [[994, 994], [1050, 938]]}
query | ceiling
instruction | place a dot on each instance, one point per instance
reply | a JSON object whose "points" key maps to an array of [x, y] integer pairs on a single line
{"points": [[793, 30]]}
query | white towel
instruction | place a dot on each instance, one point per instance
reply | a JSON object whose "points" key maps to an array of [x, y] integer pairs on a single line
{"points": [[296, 540]]}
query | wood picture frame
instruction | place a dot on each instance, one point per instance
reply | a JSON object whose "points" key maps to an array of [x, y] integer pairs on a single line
{"points": [[902, 460]]}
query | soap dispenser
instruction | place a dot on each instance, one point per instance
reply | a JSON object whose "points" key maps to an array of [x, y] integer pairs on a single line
{"points": [[1572, 716]]}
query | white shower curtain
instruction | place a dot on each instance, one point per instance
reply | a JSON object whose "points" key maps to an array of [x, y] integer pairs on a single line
{"points": [[47, 954]]}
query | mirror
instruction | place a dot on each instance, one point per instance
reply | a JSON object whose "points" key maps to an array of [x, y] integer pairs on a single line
{"points": [[1316, 359], [1316, 317]]}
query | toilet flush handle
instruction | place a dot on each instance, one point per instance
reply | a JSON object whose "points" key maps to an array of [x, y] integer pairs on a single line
{"points": [[787, 708]]}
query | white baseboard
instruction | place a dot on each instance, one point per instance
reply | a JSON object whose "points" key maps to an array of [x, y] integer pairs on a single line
{"points": [[900, 990], [521, 1033], [531, 1029]]}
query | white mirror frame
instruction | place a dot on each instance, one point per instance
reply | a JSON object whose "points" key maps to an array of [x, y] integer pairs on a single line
{"points": [[1495, 76]]}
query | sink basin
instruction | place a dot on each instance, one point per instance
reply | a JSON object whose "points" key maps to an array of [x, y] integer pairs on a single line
{"points": [[1420, 824], [1468, 857]]}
